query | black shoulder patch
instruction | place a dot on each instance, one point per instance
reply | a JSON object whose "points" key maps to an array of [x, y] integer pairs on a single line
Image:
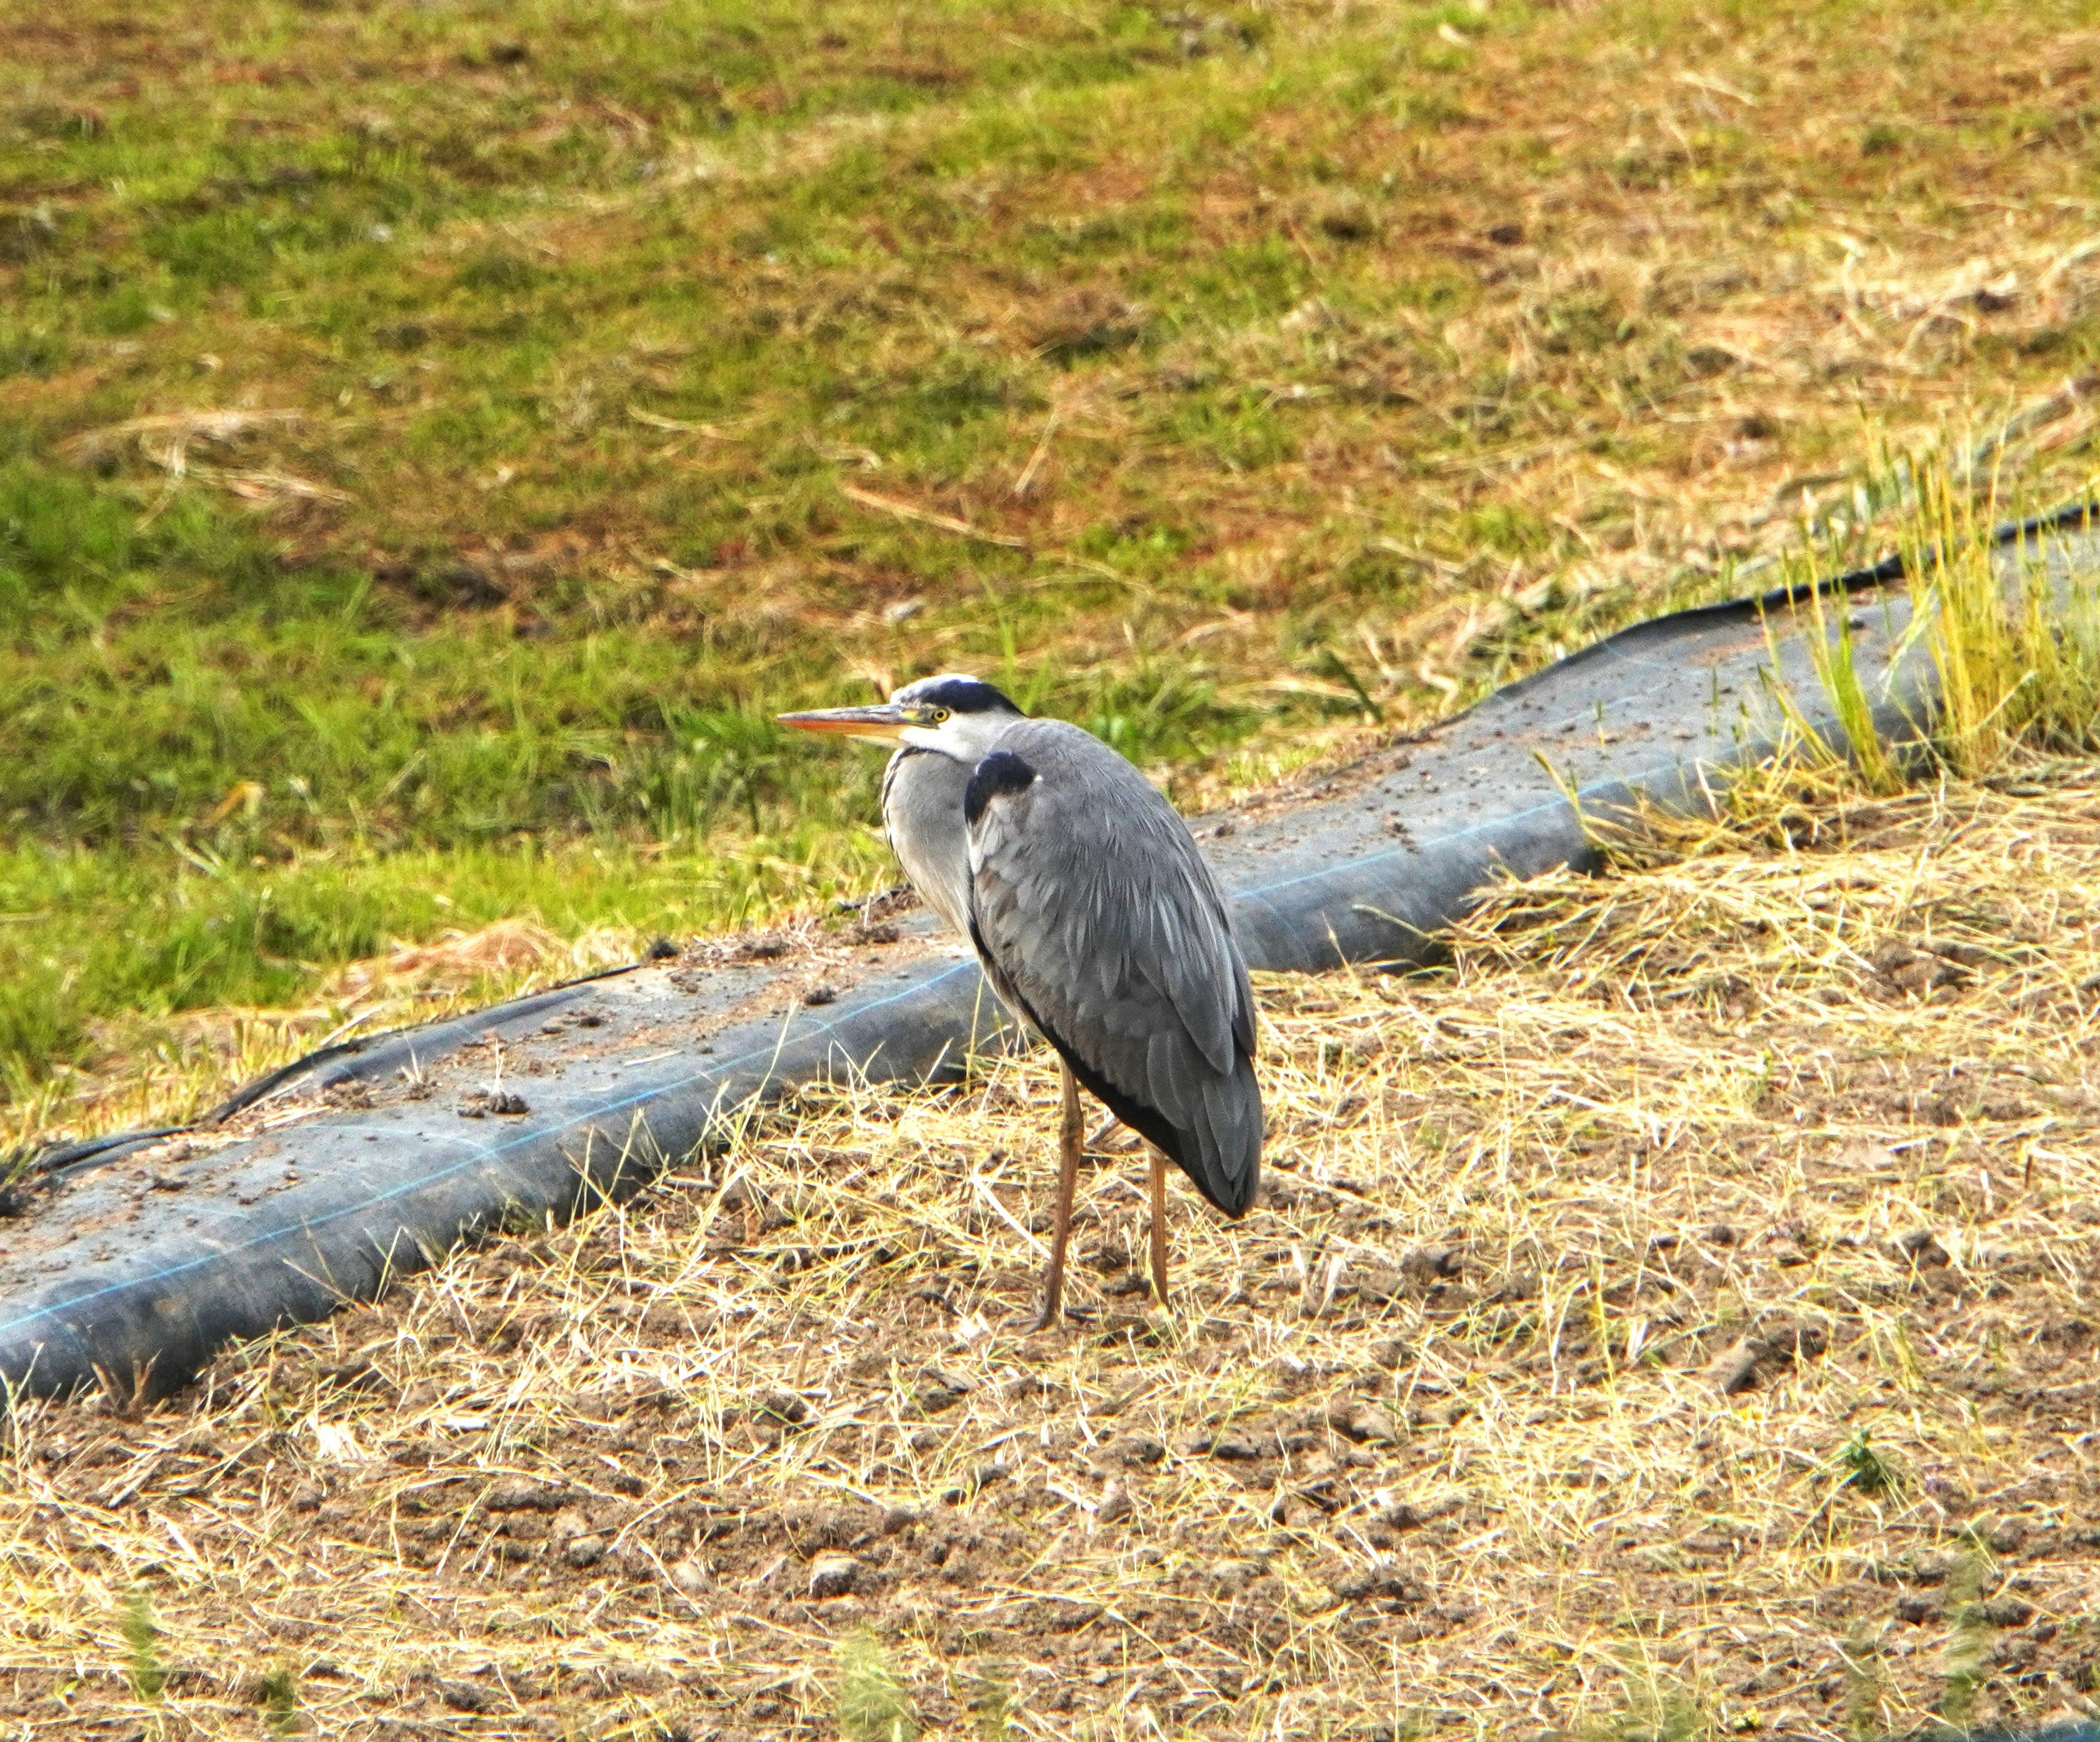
{"points": [[1001, 772]]}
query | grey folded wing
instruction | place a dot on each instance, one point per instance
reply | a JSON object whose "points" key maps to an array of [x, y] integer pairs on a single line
{"points": [[1098, 919]]}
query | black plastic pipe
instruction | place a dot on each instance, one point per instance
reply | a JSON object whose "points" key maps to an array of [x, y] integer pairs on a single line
{"points": [[136, 1269]]}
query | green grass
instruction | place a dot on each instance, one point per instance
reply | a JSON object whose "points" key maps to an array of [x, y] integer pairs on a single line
{"points": [[1324, 338], [142, 1641], [873, 1705]]}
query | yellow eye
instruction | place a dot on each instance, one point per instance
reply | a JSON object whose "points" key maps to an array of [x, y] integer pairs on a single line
{"points": [[940, 714]]}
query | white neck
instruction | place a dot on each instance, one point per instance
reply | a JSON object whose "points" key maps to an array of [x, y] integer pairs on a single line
{"points": [[967, 739]]}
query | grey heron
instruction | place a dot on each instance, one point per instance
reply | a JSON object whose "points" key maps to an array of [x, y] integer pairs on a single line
{"points": [[1097, 921]]}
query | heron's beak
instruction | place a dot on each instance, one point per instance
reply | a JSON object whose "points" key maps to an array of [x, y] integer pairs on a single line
{"points": [[880, 725]]}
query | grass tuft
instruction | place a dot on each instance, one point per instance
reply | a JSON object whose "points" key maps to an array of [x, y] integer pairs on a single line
{"points": [[873, 1704], [1655, 1710], [1865, 743], [1965, 1662], [1866, 1468], [278, 1694], [2019, 667], [993, 1702], [143, 1667], [1865, 1718]]}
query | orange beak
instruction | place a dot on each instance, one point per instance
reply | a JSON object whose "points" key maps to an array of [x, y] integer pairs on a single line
{"points": [[879, 724]]}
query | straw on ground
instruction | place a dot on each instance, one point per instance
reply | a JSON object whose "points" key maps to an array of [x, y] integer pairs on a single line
{"points": [[1676, 1313]]}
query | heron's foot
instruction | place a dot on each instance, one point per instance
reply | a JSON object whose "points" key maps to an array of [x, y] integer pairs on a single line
{"points": [[1163, 1329], [1030, 1324], [1067, 1315]]}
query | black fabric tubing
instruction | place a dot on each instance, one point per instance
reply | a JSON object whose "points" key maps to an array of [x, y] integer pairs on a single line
{"points": [[139, 1285]]}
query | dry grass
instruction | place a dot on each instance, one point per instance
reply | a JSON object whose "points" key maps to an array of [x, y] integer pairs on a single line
{"points": [[175, 1070], [1675, 1317]]}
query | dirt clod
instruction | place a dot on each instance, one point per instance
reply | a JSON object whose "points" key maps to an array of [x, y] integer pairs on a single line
{"points": [[524, 1494], [1382, 1579], [833, 1575], [1429, 1264], [468, 1697], [1922, 1248], [1368, 1423], [481, 1103], [1234, 1448]]}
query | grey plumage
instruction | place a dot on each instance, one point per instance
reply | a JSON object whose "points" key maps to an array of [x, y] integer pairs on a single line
{"points": [[1096, 920], [1099, 921]]}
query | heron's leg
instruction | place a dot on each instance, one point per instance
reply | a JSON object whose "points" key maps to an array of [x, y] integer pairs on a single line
{"points": [[1158, 1224], [1070, 1133]]}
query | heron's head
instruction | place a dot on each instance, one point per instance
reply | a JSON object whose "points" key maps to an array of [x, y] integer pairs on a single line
{"points": [[957, 715]]}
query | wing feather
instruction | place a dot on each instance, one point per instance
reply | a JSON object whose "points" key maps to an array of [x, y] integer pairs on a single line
{"points": [[1098, 919]]}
